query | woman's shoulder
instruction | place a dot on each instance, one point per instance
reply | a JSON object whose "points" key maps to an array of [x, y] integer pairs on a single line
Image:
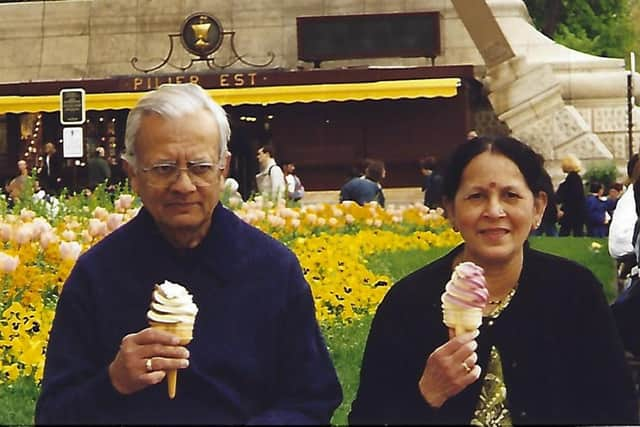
{"points": [[557, 272]]}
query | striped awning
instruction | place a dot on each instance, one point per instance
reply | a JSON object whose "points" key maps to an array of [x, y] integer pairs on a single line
{"points": [[388, 89]]}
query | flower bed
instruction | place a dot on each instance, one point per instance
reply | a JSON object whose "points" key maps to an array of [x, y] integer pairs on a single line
{"points": [[39, 246]]}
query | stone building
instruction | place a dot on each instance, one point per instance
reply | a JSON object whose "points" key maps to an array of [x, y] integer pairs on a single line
{"points": [[506, 77]]}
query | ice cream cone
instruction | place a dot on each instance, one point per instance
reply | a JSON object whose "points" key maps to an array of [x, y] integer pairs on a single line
{"points": [[185, 332], [462, 320]]}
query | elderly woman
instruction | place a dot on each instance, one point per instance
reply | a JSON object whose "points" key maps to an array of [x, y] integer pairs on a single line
{"points": [[547, 350]]}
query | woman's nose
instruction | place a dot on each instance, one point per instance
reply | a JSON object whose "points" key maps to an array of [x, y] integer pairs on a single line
{"points": [[494, 208]]}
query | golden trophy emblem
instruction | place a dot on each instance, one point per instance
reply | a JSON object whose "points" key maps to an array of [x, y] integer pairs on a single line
{"points": [[201, 32]]}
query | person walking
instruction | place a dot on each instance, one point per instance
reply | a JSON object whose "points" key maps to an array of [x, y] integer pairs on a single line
{"points": [[270, 180]]}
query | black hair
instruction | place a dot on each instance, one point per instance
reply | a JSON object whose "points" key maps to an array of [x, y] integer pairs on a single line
{"points": [[428, 162], [269, 148], [595, 186], [528, 162]]}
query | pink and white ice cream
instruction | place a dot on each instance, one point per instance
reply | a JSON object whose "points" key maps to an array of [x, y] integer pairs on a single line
{"points": [[464, 298]]}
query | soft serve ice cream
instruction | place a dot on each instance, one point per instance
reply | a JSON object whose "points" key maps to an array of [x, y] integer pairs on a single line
{"points": [[464, 298], [173, 310]]}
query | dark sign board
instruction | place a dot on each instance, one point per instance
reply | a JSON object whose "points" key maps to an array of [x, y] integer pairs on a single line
{"points": [[322, 38], [72, 106]]}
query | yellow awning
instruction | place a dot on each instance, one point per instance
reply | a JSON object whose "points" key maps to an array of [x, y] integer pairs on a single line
{"points": [[392, 89]]}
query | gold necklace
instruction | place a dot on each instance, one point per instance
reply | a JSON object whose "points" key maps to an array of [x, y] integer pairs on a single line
{"points": [[502, 303]]}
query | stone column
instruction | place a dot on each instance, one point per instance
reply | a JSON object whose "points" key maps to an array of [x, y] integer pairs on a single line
{"points": [[527, 98]]}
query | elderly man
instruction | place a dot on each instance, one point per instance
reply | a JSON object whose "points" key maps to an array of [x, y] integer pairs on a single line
{"points": [[257, 355], [270, 180]]}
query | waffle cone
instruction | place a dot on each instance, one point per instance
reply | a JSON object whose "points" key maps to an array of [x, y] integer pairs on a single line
{"points": [[184, 331], [462, 320]]}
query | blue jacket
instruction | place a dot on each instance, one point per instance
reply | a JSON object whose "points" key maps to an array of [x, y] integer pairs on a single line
{"points": [[257, 354], [361, 191]]}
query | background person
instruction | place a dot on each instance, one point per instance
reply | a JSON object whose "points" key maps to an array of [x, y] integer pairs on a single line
{"points": [[547, 351], [366, 188], [257, 355], [98, 169], [50, 175], [270, 179], [295, 189], [16, 185], [597, 218], [571, 198], [431, 182]]}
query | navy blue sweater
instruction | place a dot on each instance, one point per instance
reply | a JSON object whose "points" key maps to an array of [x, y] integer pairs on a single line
{"points": [[257, 355]]}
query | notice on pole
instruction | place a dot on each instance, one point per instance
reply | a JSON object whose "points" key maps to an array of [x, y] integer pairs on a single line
{"points": [[72, 142], [72, 106]]}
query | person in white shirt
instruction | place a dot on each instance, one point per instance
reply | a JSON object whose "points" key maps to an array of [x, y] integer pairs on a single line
{"points": [[624, 217], [270, 180]]}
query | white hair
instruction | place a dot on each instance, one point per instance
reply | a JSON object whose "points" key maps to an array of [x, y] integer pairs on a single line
{"points": [[172, 101]]}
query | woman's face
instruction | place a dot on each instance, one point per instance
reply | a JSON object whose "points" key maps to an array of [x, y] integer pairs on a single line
{"points": [[494, 209]]}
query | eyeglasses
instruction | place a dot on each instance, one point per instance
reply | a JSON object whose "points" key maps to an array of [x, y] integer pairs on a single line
{"points": [[201, 174]]}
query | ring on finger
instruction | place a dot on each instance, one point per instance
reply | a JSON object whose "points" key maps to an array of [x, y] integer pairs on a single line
{"points": [[466, 367], [149, 365]]}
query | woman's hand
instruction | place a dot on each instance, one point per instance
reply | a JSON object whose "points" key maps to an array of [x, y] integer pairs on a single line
{"points": [[450, 369]]}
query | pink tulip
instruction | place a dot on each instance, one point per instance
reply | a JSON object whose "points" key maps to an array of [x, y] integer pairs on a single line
{"points": [[5, 232], [114, 220], [8, 263], [70, 251], [47, 238], [97, 227], [100, 213]]}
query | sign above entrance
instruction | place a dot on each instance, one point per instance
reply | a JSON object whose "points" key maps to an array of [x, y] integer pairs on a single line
{"points": [[72, 106], [201, 35]]}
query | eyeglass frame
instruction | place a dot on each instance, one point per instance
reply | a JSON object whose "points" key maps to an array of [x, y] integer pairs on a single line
{"points": [[175, 175]]}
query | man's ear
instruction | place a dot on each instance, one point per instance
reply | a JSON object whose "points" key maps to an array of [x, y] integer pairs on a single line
{"points": [[227, 164], [131, 173]]}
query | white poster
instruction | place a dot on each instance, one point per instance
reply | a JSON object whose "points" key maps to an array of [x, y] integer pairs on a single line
{"points": [[72, 142]]}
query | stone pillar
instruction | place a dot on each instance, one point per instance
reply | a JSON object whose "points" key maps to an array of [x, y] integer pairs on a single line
{"points": [[527, 98]]}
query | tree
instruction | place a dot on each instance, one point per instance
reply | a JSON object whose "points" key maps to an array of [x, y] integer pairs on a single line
{"points": [[598, 27]]}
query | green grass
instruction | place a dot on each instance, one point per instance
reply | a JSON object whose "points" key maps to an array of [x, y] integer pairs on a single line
{"points": [[18, 402], [346, 343]]}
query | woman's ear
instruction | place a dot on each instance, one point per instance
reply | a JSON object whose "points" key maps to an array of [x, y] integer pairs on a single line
{"points": [[539, 205], [449, 212]]}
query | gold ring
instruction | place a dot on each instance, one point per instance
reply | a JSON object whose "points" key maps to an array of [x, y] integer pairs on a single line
{"points": [[464, 365], [148, 365]]}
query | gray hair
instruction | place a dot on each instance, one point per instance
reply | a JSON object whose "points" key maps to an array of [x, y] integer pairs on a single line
{"points": [[172, 101]]}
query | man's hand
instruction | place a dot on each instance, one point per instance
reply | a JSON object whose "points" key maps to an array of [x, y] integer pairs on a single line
{"points": [[450, 369], [131, 370]]}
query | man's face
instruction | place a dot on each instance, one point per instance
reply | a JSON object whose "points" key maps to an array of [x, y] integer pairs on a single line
{"points": [[22, 166], [262, 157], [179, 205], [49, 148]]}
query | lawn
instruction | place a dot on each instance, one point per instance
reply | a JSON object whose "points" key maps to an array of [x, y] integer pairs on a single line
{"points": [[346, 343]]}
